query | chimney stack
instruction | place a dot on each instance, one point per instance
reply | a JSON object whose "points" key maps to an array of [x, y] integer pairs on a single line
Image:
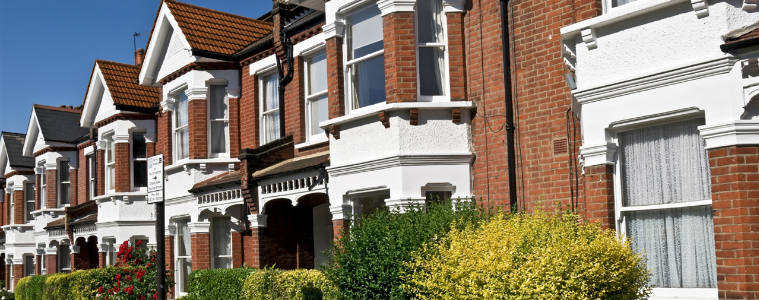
{"points": [[139, 56]]}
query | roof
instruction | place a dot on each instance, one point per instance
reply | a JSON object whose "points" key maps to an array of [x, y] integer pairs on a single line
{"points": [[121, 80], [60, 124], [214, 31], [741, 38], [294, 164], [58, 223], [14, 145], [216, 181]]}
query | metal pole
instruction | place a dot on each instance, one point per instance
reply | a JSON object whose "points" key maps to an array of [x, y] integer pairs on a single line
{"points": [[160, 239]]}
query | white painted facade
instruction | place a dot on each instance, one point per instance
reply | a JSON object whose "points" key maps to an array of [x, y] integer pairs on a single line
{"points": [[653, 61]]}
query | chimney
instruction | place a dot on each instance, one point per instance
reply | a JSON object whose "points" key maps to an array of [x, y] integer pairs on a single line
{"points": [[139, 56]]}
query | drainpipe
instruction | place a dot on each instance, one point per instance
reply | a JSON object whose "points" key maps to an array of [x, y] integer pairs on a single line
{"points": [[511, 155], [284, 76]]}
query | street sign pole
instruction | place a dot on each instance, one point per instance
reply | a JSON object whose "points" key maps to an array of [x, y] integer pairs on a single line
{"points": [[156, 195]]}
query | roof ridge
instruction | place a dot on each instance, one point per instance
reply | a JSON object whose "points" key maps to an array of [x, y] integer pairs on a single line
{"points": [[12, 133], [77, 110], [115, 63], [217, 11]]}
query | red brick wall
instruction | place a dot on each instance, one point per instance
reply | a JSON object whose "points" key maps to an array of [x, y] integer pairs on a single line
{"points": [[36, 192], [101, 259], [198, 126], [81, 186], [169, 260], [735, 200], [335, 81], [294, 104], [100, 180], [18, 207], [248, 110], [237, 251], [252, 249], [234, 127], [51, 264], [599, 195], [37, 265], [456, 56], [122, 161], [163, 145], [18, 273], [339, 227], [51, 176], [201, 255], [150, 149], [73, 186], [400, 57]]}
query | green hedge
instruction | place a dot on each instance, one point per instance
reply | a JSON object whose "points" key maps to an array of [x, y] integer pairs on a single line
{"points": [[217, 283], [78, 285], [270, 284], [30, 287]]}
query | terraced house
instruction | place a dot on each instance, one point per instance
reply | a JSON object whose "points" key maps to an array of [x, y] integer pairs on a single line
{"points": [[278, 132]]}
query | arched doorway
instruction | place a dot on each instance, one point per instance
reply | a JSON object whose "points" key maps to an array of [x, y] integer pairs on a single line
{"points": [[87, 257]]}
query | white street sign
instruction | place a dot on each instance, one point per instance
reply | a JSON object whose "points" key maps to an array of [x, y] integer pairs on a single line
{"points": [[155, 179]]}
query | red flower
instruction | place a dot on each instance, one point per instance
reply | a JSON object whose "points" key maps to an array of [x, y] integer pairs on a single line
{"points": [[129, 278], [130, 289], [142, 297], [139, 243], [148, 265], [155, 295], [118, 277], [116, 290], [100, 290], [140, 274]]}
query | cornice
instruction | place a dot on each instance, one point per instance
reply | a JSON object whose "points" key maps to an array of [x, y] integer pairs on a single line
{"points": [[198, 66]]}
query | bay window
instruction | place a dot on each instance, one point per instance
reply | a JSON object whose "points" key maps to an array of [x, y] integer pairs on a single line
{"points": [[183, 255], [269, 113], [218, 120], [29, 201], [365, 59], [110, 164], [11, 207], [222, 243], [180, 128], [666, 203], [316, 94], [64, 185], [430, 48], [139, 161], [91, 176]]}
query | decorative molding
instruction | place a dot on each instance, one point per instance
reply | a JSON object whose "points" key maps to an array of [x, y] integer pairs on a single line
{"points": [[54, 149], [700, 7], [257, 220], [750, 5], [167, 104], [393, 6], [197, 93], [336, 29], [413, 116], [384, 119], [454, 6], [656, 80], [569, 56], [123, 116], [335, 131], [734, 133], [101, 145], [598, 154], [589, 38], [403, 204], [341, 212], [202, 66], [456, 115], [400, 161], [199, 227], [120, 138]]}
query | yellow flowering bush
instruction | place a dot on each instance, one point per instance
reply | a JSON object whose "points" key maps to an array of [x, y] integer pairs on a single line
{"points": [[527, 257], [294, 284]]}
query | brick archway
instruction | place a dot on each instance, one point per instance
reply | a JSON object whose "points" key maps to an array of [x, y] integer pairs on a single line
{"points": [[288, 239]]}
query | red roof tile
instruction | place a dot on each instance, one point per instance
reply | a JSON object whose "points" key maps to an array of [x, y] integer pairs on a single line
{"points": [[214, 31], [121, 80], [229, 177]]}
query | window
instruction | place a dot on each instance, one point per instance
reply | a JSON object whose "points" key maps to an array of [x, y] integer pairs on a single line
{"points": [[29, 200], [64, 258], [316, 94], [437, 196], [269, 95], [110, 252], [430, 47], [28, 265], [222, 243], [365, 60], [181, 131], [91, 176], [64, 185], [183, 255], [110, 164], [43, 185], [665, 205], [139, 161], [43, 269], [615, 3], [367, 203], [11, 207], [218, 119]]}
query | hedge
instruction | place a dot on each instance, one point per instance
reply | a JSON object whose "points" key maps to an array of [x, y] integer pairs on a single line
{"points": [[30, 287], [217, 283], [270, 284]]}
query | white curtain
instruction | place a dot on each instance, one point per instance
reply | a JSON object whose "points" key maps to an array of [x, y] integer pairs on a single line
{"points": [[218, 116], [429, 14], [271, 102], [661, 165], [222, 243], [183, 135]]}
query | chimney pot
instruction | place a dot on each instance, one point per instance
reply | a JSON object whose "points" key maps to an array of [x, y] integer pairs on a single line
{"points": [[139, 56]]}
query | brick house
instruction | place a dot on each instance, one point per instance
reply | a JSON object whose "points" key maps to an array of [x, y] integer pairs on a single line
{"points": [[277, 134]]}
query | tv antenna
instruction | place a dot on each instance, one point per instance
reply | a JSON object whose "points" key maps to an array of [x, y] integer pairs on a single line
{"points": [[134, 40]]}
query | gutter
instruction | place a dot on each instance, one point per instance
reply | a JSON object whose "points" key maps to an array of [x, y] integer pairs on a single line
{"points": [[732, 46], [511, 155]]}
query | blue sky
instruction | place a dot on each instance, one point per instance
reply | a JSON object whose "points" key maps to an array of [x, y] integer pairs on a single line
{"points": [[47, 47]]}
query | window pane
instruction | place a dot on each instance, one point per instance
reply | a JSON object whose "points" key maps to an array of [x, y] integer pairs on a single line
{"points": [[29, 191], [271, 126], [369, 82], [218, 136], [64, 193], [270, 93], [431, 64], [183, 148], [429, 21], [365, 32], [317, 73], [183, 236], [63, 171], [221, 242], [319, 113], [138, 146], [615, 3], [181, 112], [111, 177], [108, 152], [218, 108], [140, 173]]}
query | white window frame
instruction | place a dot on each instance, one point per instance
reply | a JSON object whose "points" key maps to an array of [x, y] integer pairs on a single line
{"points": [[225, 120], [110, 251], [608, 5], [349, 64], [28, 186], [43, 258], [446, 96], [110, 151], [176, 148], [43, 185], [261, 113], [91, 176], [620, 209], [28, 258], [177, 257], [11, 208], [135, 159], [310, 97], [213, 248], [61, 183]]}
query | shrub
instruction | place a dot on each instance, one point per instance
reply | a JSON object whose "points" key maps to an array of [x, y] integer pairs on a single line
{"points": [[367, 263], [30, 287], [528, 257], [57, 286], [6, 295], [295, 284], [218, 283], [133, 277]]}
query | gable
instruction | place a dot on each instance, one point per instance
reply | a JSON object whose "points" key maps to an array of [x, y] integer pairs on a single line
{"points": [[164, 50], [93, 100]]}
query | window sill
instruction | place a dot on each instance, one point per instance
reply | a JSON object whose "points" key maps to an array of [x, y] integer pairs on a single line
{"points": [[618, 14], [313, 142], [683, 293], [187, 163], [19, 227], [125, 196], [51, 211], [371, 111]]}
